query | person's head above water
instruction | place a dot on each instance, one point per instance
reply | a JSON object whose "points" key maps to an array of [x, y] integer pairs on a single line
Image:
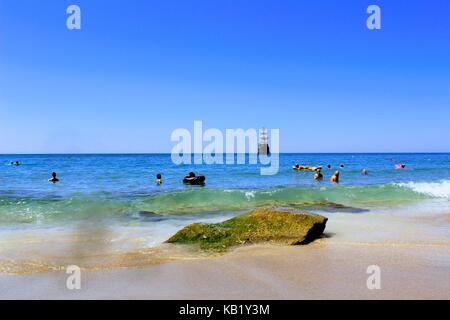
{"points": [[335, 177], [329, 166], [191, 174], [53, 179], [158, 176], [318, 175]]}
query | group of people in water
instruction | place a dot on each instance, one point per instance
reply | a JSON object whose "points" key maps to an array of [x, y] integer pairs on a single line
{"points": [[335, 177], [192, 179], [318, 172]]}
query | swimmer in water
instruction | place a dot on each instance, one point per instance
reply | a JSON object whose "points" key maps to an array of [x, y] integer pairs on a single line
{"points": [[190, 177], [318, 175], [158, 179], [329, 166], [53, 179], [335, 177], [342, 165], [364, 172]]}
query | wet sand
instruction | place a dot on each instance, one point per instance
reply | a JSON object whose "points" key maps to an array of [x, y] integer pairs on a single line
{"points": [[412, 253], [318, 271]]}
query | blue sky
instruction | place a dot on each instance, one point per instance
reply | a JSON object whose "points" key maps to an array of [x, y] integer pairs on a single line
{"points": [[139, 69]]}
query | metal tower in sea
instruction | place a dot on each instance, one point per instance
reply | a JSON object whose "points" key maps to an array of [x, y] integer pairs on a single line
{"points": [[263, 145]]}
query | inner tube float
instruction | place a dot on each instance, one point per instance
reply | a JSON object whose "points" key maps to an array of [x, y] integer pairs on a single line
{"points": [[194, 180]]}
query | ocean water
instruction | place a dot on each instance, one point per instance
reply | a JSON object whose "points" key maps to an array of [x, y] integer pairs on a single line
{"points": [[120, 186], [105, 205]]}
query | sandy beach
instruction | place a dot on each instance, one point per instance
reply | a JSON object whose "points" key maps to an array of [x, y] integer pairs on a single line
{"points": [[414, 264], [222, 150]]}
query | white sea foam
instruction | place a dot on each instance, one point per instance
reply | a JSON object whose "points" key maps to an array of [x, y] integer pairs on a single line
{"points": [[439, 189], [250, 195]]}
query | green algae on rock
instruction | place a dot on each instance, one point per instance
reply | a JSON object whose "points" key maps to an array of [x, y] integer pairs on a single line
{"points": [[261, 225]]}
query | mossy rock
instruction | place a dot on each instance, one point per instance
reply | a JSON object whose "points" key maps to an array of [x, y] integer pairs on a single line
{"points": [[261, 225]]}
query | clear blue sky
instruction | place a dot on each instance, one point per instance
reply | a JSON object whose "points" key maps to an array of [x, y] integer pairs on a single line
{"points": [[139, 69]]}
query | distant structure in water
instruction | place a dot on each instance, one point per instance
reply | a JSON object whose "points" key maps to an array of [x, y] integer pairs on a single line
{"points": [[263, 145]]}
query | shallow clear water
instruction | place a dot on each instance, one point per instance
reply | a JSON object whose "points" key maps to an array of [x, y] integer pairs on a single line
{"points": [[107, 211], [119, 186]]}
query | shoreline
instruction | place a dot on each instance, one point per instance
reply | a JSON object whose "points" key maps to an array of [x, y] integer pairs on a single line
{"points": [[412, 253], [95, 245], [318, 271]]}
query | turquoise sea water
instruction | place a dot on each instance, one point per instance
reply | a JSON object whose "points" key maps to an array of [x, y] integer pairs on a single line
{"points": [[107, 210], [118, 187]]}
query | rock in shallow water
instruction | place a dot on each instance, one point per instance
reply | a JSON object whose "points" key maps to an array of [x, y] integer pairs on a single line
{"points": [[261, 225], [146, 216]]}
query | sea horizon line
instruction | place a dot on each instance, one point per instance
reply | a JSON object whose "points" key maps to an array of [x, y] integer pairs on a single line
{"points": [[168, 153]]}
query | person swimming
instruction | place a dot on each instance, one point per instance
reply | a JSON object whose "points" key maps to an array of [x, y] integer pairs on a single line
{"points": [[341, 165], [400, 166], [318, 175], [364, 172], [335, 177], [307, 168], [329, 166], [53, 179], [158, 179], [193, 179]]}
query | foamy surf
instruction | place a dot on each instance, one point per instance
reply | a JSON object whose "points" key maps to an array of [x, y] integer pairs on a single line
{"points": [[208, 200], [439, 189]]}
